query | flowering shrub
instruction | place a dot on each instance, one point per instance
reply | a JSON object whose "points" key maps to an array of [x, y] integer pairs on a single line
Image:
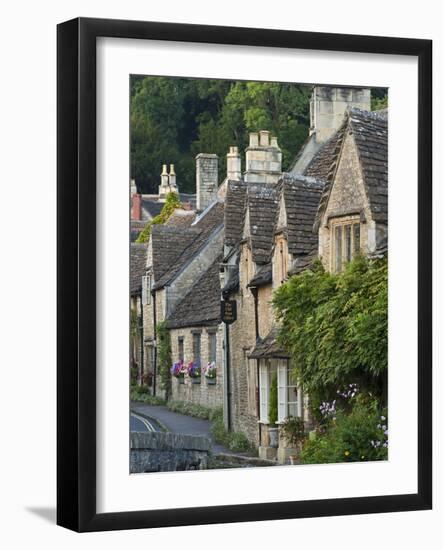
{"points": [[194, 370], [328, 410], [210, 371], [382, 437], [348, 392], [355, 436], [178, 369]]}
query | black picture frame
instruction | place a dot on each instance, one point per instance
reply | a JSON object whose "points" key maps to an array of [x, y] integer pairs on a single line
{"points": [[76, 264]]}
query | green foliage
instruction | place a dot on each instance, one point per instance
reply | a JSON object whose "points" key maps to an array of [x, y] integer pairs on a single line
{"points": [[273, 401], [335, 326], [190, 409], [171, 203], [142, 395], [236, 442], [164, 357], [379, 99], [293, 430], [354, 437]]}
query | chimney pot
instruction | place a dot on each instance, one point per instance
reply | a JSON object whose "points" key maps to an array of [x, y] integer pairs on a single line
{"points": [[274, 142], [136, 207], [253, 139], [264, 138]]}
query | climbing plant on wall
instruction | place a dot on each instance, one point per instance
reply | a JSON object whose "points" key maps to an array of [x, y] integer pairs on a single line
{"points": [[164, 357], [171, 203], [335, 326]]}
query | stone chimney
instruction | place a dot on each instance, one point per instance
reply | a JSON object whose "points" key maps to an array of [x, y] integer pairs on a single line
{"points": [[206, 175], [136, 207], [136, 202], [233, 162], [329, 105], [172, 179], [263, 158]]}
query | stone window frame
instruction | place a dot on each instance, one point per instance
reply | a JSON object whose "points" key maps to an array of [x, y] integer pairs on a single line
{"points": [[146, 289], [282, 258], [341, 226]]}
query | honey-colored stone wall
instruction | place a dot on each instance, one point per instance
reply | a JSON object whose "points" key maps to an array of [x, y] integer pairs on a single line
{"points": [[204, 393]]}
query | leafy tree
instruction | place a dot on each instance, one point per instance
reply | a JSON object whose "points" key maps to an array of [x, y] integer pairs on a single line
{"points": [[335, 327], [174, 119], [379, 99]]}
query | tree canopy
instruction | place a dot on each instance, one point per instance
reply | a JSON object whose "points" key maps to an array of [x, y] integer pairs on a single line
{"points": [[174, 119]]}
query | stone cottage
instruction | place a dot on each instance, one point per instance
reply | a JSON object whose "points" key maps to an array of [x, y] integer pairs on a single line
{"points": [[196, 336], [179, 253]]}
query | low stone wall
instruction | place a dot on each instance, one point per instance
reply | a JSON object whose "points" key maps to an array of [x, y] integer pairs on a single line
{"points": [[167, 452]]}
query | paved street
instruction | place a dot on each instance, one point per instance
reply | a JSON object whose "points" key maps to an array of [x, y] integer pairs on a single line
{"points": [[141, 424], [176, 423]]}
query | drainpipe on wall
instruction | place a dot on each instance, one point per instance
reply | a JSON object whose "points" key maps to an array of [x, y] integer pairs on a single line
{"points": [[154, 319], [228, 419], [254, 291], [142, 343]]}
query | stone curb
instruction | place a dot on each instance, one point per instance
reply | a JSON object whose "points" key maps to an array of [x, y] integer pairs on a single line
{"points": [[245, 459]]}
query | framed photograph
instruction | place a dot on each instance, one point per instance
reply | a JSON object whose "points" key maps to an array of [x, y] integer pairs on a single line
{"points": [[244, 274]]}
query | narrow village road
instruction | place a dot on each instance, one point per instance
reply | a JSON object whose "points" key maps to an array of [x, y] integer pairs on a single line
{"points": [[179, 423]]}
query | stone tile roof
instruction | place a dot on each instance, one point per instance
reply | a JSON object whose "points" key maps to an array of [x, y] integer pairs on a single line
{"points": [[301, 196], [268, 347], [234, 211], [261, 205], [201, 305], [151, 208], [168, 244], [381, 250], [189, 197], [262, 277], [302, 263], [182, 218], [323, 163], [196, 237], [233, 281], [137, 266], [370, 130]]}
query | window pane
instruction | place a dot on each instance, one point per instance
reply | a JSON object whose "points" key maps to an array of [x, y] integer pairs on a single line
{"points": [[264, 391], [338, 245], [348, 254], [357, 238], [212, 347], [181, 354], [196, 348]]}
